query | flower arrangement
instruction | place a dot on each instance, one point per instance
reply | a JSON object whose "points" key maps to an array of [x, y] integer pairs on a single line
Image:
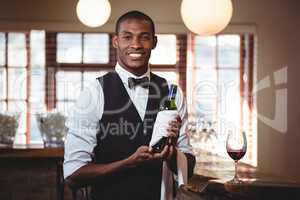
{"points": [[52, 127], [8, 127]]}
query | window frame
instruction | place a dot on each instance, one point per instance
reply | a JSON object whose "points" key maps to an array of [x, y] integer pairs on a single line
{"points": [[7, 99], [244, 90], [52, 66]]}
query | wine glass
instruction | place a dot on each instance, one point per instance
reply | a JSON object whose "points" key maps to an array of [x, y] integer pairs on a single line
{"points": [[236, 146]]}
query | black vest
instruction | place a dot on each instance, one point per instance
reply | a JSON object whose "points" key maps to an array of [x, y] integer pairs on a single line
{"points": [[121, 132]]}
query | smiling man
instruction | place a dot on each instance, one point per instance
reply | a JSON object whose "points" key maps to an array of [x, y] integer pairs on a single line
{"points": [[112, 123], [134, 41]]}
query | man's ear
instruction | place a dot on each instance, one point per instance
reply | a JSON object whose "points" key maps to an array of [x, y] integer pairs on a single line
{"points": [[154, 42], [115, 41]]}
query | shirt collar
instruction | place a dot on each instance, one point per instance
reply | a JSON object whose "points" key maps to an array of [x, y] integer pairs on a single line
{"points": [[125, 74]]}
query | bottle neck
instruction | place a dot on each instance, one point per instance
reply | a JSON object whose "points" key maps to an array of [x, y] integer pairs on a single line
{"points": [[170, 103]]}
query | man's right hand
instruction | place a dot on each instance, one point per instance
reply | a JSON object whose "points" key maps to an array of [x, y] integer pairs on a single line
{"points": [[142, 154]]}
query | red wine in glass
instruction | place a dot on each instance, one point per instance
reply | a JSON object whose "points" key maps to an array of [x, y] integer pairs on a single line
{"points": [[236, 154], [236, 146]]}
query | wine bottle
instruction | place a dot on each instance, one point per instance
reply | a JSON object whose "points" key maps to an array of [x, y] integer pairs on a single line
{"points": [[169, 104]]}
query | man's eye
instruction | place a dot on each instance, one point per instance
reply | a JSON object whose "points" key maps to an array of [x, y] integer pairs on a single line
{"points": [[145, 37], [126, 37]]}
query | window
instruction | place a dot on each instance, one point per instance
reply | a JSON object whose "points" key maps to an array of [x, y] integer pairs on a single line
{"points": [[163, 58], [13, 78], [37, 83], [165, 52], [217, 65], [82, 48], [22, 88], [79, 56], [219, 92], [95, 48], [69, 84]]}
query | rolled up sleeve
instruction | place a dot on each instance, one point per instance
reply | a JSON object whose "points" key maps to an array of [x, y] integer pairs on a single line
{"points": [[183, 143], [83, 123]]}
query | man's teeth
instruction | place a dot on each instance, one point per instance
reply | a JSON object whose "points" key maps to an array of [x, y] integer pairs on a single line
{"points": [[135, 55]]}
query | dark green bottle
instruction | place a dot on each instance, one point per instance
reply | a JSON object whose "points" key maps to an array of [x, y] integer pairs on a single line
{"points": [[170, 104]]}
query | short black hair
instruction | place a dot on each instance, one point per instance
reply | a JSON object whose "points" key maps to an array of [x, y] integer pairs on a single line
{"points": [[134, 14]]}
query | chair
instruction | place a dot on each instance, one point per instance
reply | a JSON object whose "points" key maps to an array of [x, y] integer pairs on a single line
{"points": [[80, 193]]}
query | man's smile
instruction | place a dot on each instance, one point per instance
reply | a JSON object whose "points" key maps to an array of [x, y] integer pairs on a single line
{"points": [[135, 55]]}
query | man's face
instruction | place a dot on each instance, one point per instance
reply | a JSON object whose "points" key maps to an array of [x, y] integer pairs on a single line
{"points": [[134, 43]]}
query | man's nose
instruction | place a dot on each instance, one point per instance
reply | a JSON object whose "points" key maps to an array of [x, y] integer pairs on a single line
{"points": [[136, 43]]}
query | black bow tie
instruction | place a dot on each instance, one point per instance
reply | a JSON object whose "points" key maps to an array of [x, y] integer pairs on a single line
{"points": [[143, 82]]}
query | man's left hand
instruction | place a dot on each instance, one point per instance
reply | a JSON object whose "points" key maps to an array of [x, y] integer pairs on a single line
{"points": [[173, 130], [169, 152]]}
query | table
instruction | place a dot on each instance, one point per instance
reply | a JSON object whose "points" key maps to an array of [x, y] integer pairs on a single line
{"points": [[209, 183]]}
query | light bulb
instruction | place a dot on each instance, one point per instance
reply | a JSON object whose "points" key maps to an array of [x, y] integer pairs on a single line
{"points": [[93, 13], [206, 17]]}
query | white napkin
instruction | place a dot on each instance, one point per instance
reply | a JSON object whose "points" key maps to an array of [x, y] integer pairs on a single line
{"points": [[168, 176], [160, 130], [182, 170], [161, 125]]}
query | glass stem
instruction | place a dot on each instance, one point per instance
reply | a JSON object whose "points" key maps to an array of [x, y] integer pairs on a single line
{"points": [[235, 174]]}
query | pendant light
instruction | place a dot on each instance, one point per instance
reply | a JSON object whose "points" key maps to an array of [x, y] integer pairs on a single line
{"points": [[93, 13], [206, 17]]}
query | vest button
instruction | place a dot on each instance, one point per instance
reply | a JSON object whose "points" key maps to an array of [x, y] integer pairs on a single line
{"points": [[145, 131]]}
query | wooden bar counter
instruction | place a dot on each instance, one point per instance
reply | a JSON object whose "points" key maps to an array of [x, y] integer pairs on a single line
{"points": [[28, 152], [212, 181], [36, 173], [31, 173]]}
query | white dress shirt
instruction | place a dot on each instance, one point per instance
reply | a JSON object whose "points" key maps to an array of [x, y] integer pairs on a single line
{"points": [[83, 120]]}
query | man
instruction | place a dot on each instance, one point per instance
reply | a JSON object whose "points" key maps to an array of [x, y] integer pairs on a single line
{"points": [[112, 123]]}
